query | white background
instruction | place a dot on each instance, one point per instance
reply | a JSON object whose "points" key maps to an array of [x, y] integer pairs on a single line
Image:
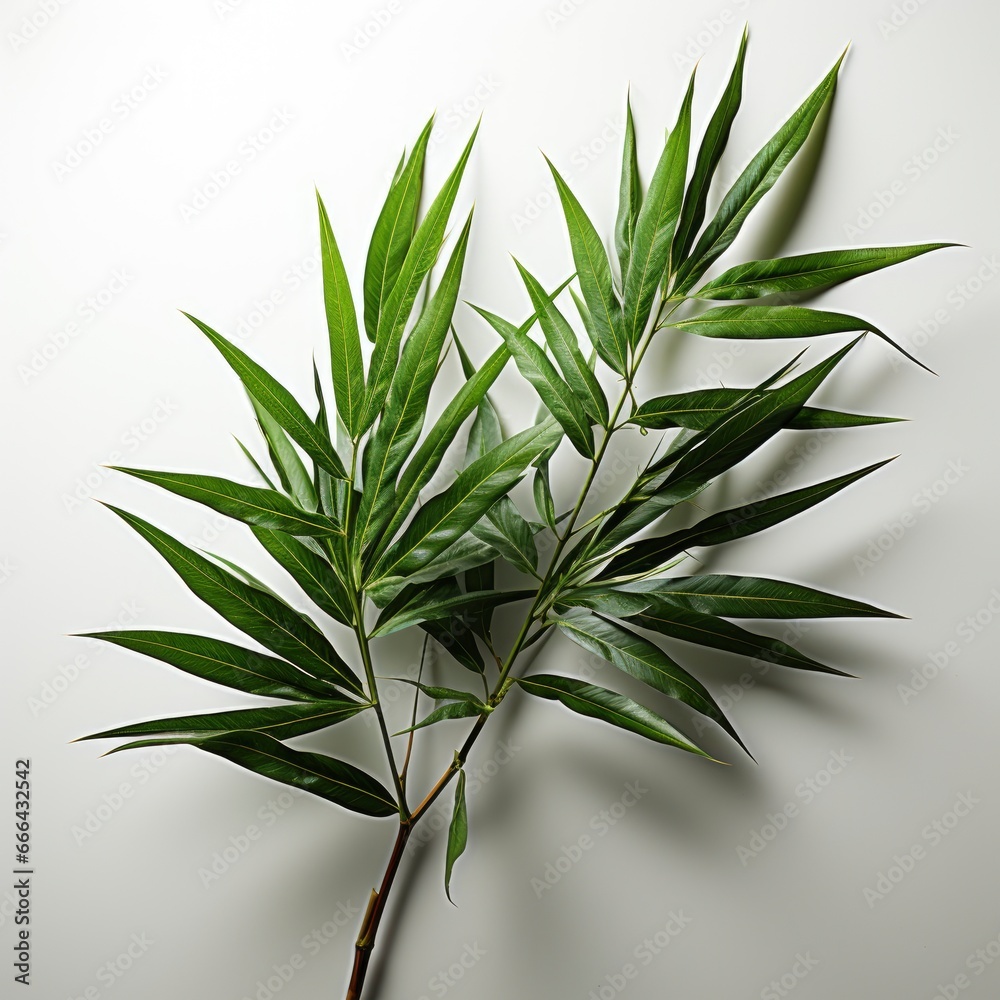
{"points": [[122, 845]]}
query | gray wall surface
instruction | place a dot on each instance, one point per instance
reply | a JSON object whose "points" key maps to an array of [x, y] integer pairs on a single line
{"points": [[159, 157]]}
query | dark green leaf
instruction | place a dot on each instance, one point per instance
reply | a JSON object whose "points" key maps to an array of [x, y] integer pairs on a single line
{"points": [[458, 832], [608, 706], [451, 710], [506, 530], [292, 473], [434, 609]]}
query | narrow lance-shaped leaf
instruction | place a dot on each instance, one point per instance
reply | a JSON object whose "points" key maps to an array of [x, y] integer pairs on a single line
{"points": [[420, 258], [434, 609], [280, 721], [737, 522], [654, 228], [756, 180], [753, 597], [596, 282], [393, 232], [563, 343], [710, 153], [458, 832], [506, 530], [331, 779], [557, 395], [629, 194], [255, 464], [278, 401], [608, 706], [292, 473], [251, 504], [403, 415], [222, 662], [643, 660], [452, 710], [342, 323], [263, 617]]}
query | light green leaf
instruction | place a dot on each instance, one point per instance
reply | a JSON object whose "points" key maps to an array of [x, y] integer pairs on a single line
{"points": [[292, 473], [629, 194]]}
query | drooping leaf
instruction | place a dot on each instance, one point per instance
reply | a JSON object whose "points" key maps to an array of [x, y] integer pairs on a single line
{"points": [[753, 597], [506, 530], [420, 257], [458, 832], [542, 492], [563, 343], [250, 504], [393, 232], [713, 144], [641, 659], [280, 721], [278, 401], [737, 522], [629, 194], [310, 571], [455, 636], [437, 609], [608, 706], [596, 282], [557, 395], [757, 179], [342, 323], [271, 622], [222, 663], [655, 225]]}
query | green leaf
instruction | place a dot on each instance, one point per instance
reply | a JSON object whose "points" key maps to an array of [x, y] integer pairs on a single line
{"points": [[563, 343], [701, 408], [458, 832], [654, 228], [737, 522], [596, 281], [406, 405], [452, 710], [222, 663], [249, 504], [255, 464], [342, 323], [770, 323], [709, 154], [717, 633], [329, 778], [807, 272], [295, 479], [607, 706], [310, 571], [643, 660], [439, 693], [753, 597], [540, 372], [280, 721], [420, 258], [542, 492], [393, 232], [506, 530], [455, 637], [435, 609], [278, 401], [629, 194], [756, 180], [263, 617], [447, 516]]}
